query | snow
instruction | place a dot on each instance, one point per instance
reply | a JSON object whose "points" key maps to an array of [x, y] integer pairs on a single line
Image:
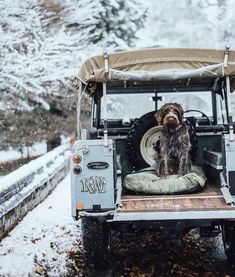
{"points": [[42, 167], [187, 23], [37, 149], [39, 57], [44, 237], [44, 42]]}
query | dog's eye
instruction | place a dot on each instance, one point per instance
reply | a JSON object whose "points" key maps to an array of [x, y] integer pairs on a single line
{"points": [[166, 112], [178, 112]]}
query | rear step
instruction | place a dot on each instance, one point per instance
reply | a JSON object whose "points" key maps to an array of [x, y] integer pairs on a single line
{"points": [[174, 215]]}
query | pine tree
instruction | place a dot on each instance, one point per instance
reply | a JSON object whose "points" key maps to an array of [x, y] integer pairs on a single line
{"points": [[111, 23]]}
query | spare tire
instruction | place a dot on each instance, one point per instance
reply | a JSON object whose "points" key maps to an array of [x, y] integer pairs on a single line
{"points": [[142, 139]]}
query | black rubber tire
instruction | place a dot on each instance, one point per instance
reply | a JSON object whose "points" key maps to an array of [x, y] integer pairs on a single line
{"points": [[228, 235], [95, 240], [138, 129]]}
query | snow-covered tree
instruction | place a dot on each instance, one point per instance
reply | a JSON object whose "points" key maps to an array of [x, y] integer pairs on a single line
{"points": [[36, 57], [43, 43], [189, 23], [110, 23]]}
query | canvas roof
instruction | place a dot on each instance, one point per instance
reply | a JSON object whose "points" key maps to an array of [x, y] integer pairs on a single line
{"points": [[158, 63]]}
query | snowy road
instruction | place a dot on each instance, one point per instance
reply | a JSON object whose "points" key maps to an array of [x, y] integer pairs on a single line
{"points": [[43, 241]]}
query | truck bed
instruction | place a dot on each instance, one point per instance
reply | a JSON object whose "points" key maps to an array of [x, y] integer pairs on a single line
{"points": [[210, 198]]}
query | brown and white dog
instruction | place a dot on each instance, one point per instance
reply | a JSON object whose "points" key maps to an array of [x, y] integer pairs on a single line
{"points": [[173, 152]]}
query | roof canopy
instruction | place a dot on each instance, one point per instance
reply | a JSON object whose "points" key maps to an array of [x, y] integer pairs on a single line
{"points": [[158, 64]]}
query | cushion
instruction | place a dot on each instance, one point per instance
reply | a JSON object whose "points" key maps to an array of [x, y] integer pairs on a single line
{"points": [[148, 182]]}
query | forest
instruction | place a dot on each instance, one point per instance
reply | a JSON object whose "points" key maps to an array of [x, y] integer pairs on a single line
{"points": [[43, 44]]}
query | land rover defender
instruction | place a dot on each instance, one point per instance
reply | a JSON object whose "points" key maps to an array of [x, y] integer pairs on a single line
{"points": [[126, 89]]}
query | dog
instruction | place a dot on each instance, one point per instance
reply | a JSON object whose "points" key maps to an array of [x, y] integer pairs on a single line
{"points": [[173, 155]]}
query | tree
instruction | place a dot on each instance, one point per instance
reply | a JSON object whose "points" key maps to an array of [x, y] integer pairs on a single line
{"points": [[189, 23], [42, 46], [31, 50], [109, 23], [43, 43]]}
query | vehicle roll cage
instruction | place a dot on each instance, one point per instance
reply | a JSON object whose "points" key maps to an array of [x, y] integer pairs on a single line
{"points": [[217, 85]]}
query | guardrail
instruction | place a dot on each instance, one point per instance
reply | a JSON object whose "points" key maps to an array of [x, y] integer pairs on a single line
{"points": [[26, 187]]}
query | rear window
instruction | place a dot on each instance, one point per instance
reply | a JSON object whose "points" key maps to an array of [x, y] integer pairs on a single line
{"points": [[198, 100], [128, 105], [135, 105]]}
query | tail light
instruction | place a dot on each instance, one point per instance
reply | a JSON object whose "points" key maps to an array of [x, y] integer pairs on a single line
{"points": [[77, 170], [77, 159], [80, 206]]}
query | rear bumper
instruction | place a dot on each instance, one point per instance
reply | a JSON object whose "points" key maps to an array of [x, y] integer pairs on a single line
{"points": [[165, 216]]}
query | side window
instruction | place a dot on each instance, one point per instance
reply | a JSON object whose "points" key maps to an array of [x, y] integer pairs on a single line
{"points": [[221, 110], [233, 105]]}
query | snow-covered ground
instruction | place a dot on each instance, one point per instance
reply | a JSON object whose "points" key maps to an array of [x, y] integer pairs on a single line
{"points": [[42, 242], [37, 149]]}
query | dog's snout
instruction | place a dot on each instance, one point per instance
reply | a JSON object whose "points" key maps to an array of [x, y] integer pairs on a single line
{"points": [[171, 114]]}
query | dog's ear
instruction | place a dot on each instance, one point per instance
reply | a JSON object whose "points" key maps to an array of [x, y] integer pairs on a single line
{"points": [[179, 107], [158, 116], [180, 110]]}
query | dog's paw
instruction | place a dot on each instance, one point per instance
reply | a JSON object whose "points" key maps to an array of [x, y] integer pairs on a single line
{"points": [[184, 172], [163, 176]]}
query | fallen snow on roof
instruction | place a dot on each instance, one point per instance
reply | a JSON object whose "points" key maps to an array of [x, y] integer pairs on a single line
{"points": [[43, 239]]}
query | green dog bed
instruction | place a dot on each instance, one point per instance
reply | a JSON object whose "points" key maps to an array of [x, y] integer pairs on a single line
{"points": [[148, 182]]}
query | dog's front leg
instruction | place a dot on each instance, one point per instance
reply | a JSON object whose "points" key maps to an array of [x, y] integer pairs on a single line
{"points": [[165, 168], [162, 166], [185, 163]]}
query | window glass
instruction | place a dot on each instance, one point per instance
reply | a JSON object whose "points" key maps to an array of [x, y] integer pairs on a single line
{"points": [[128, 105], [135, 105], [200, 100]]}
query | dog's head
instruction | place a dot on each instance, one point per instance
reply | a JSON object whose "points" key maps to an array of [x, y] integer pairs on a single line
{"points": [[170, 115]]}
